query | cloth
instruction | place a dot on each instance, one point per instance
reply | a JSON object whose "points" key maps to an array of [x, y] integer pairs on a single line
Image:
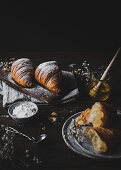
{"points": [[11, 95]]}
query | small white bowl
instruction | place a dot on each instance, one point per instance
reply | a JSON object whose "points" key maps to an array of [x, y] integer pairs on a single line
{"points": [[22, 119]]}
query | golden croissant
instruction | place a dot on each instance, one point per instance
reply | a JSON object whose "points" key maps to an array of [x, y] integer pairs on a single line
{"points": [[103, 139], [49, 75], [22, 72], [100, 115]]}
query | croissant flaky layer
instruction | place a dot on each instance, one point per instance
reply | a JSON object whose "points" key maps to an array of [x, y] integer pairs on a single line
{"points": [[49, 75], [103, 139], [22, 72], [83, 118], [100, 115]]}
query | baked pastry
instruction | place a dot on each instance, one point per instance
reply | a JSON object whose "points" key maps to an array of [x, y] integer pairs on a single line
{"points": [[49, 75], [22, 72], [103, 139], [82, 118], [100, 115]]}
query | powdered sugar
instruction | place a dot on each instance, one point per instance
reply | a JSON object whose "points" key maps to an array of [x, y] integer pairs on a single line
{"points": [[22, 60], [23, 68], [46, 68], [24, 110], [43, 65], [22, 72]]}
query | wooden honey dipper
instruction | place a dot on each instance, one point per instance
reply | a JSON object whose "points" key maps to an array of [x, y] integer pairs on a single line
{"points": [[94, 92]]}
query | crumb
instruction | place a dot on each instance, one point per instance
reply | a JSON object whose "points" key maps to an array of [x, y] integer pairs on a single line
{"points": [[53, 114], [43, 128], [52, 119]]}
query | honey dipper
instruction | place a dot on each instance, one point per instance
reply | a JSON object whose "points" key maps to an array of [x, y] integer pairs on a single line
{"points": [[94, 92]]}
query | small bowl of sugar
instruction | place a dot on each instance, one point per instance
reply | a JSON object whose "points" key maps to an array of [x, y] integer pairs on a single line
{"points": [[23, 111]]}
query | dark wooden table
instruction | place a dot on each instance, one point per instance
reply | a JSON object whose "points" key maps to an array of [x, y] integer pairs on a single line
{"points": [[53, 153]]}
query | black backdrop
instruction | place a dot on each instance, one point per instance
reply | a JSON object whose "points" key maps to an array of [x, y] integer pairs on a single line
{"points": [[33, 26]]}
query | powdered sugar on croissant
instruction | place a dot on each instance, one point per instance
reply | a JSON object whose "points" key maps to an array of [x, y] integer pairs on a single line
{"points": [[49, 75], [22, 72]]}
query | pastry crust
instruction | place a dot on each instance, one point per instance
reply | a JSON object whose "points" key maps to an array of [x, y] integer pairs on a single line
{"points": [[22, 72], [49, 75], [103, 139], [100, 115], [83, 117]]}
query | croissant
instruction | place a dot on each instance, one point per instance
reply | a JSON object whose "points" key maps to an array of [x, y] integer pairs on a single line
{"points": [[83, 117], [22, 72], [103, 139], [100, 115], [49, 75]]}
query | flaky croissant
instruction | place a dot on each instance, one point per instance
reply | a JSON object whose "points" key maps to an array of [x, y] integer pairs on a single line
{"points": [[22, 72], [103, 139], [100, 115], [83, 118], [49, 75]]}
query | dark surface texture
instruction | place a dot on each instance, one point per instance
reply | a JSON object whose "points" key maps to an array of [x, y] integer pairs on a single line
{"points": [[53, 152], [30, 26], [69, 33]]}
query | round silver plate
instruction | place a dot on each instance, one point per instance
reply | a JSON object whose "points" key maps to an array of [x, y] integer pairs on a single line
{"points": [[85, 148]]}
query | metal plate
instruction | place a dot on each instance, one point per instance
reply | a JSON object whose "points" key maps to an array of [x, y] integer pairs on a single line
{"points": [[85, 148]]}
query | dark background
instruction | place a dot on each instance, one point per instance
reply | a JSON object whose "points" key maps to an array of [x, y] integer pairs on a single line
{"points": [[63, 32], [34, 26]]}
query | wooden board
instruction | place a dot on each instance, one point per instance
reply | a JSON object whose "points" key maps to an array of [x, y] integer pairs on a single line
{"points": [[37, 91]]}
